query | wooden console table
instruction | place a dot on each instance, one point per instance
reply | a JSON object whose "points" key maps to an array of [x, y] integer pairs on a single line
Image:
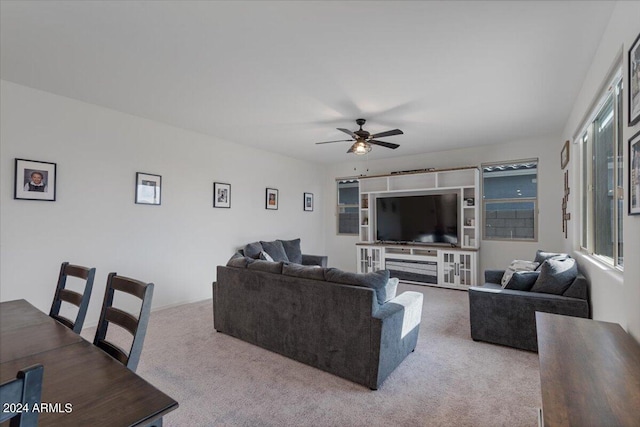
{"points": [[589, 372]]}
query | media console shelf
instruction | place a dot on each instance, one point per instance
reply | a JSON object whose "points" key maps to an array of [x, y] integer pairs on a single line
{"points": [[452, 267]]}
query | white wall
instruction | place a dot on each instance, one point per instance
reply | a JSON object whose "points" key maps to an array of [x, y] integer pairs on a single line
{"points": [[95, 222], [615, 296], [493, 254]]}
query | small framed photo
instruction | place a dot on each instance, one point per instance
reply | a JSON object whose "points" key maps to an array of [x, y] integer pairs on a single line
{"points": [[221, 195], [271, 199], [35, 180], [634, 174], [564, 155], [148, 189], [634, 82], [308, 202]]}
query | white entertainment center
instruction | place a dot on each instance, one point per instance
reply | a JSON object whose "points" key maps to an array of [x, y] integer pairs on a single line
{"points": [[422, 263]]}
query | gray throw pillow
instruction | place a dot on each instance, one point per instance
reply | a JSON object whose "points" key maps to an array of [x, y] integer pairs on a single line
{"points": [[522, 280], [275, 250], [292, 249], [314, 272], [266, 266], [376, 280], [542, 256], [252, 250], [556, 275], [237, 260]]}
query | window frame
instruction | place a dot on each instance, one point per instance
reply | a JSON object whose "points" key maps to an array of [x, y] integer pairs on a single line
{"points": [[586, 149], [533, 200]]}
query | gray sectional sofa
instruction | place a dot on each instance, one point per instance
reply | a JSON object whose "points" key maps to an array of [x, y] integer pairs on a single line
{"points": [[507, 316], [342, 323]]}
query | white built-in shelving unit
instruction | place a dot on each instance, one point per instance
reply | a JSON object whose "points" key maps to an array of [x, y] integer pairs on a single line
{"points": [[454, 267]]}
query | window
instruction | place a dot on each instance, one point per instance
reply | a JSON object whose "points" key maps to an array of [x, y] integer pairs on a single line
{"points": [[348, 196], [510, 199], [602, 179]]}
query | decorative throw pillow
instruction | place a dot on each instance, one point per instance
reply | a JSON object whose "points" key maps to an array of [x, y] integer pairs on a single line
{"points": [[391, 288], [237, 260], [265, 256], [275, 250], [266, 266], [522, 280], [314, 272], [292, 249], [517, 265], [376, 280], [556, 275], [252, 250], [542, 256]]}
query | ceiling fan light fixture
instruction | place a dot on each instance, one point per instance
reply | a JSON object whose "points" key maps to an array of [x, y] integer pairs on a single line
{"points": [[361, 147]]}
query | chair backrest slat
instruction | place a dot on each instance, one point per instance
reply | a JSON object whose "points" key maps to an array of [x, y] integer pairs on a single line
{"points": [[136, 326], [122, 318], [26, 389], [71, 297], [75, 298]]}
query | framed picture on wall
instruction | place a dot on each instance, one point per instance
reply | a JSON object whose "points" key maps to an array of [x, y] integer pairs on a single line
{"points": [[308, 201], [35, 180], [634, 174], [221, 195], [634, 82], [564, 155], [271, 199], [148, 189]]}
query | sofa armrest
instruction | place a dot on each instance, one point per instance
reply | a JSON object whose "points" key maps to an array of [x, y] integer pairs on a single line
{"points": [[507, 317], [493, 276], [320, 260], [397, 324]]}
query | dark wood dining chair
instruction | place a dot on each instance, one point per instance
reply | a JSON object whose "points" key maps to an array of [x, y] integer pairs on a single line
{"points": [[72, 297], [17, 397], [135, 326]]}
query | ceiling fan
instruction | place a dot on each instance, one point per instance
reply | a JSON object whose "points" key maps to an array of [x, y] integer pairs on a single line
{"points": [[364, 139]]}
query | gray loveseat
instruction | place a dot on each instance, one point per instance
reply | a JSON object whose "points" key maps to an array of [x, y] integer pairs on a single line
{"points": [[507, 316], [295, 311]]}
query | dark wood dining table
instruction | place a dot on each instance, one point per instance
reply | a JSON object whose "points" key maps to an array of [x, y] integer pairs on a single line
{"points": [[82, 385]]}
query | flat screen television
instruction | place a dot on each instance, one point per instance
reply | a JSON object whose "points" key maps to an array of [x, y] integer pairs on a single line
{"points": [[425, 219]]}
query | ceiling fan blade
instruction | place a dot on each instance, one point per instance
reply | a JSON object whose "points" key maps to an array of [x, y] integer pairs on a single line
{"points": [[383, 144], [348, 132], [329, 142], [387, 133]]}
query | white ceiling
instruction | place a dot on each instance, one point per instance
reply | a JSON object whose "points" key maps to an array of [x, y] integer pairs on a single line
{"points": [[283, 75]]}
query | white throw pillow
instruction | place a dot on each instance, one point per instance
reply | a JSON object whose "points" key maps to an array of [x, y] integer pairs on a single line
{"points": [[392, 288], [518, 265], [265, 256]]}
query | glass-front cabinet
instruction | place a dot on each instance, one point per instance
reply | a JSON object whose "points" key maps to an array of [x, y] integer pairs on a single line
{"points": [[456, 268], [370, 258]]}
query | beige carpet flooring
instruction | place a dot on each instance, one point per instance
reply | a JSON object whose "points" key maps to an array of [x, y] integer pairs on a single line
{"points": [[449, 380]]}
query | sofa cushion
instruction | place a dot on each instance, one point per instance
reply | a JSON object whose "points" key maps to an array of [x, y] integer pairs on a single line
{"points": [[541, 256], [522, 280], [376, 280], [314, 272], [252, 250], [292, 249], [556, 275], [275, 250], [265, 256], [266, 266], [238, 260], [517, 265]]}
